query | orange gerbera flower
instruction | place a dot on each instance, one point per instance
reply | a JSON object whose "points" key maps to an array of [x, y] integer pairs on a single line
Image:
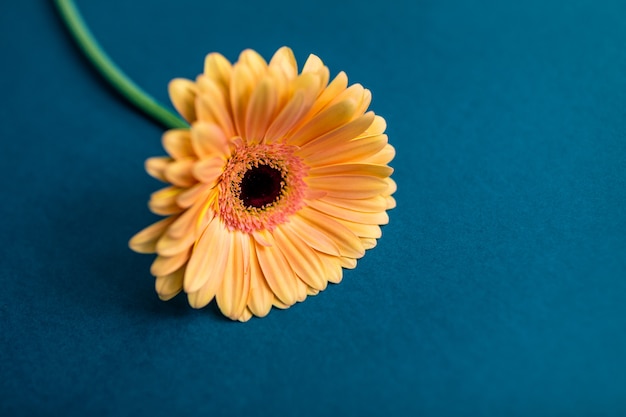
{"points": [[280, 182]]}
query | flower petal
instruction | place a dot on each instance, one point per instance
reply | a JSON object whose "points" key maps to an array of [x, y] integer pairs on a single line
{"points": [[179, 173], [348, 186], [313, 236], [368, 205], [261, 296], [347, 242], [208, 170], [164, 265], [241, 88], [218, 69], [278, 273], [343, 134], [177, 143], [260, 110], [233, 293], [167, 286], [163, 201], [145, 241], [327, 120], [353, 151], [186, 198], [205, 270], [156, 166], [302, 258], [336, 87], [208, 141], [183, 94], [285, 60], [332, 265], [380, 217], [215, 111], [375, 170]]}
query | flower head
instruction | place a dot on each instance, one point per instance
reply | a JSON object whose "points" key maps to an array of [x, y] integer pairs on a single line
{"points": [[280, 182]]}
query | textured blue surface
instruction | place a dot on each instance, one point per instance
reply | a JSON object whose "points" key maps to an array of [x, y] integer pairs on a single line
{"points": [[498, 288]]}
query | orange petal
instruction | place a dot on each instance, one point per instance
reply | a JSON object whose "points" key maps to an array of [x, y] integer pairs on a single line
{"points": [[179, 173], [348, 186], [177, 143], [302, 258], [372, 231], [333, 89], [209, 170], [145, 241], [183, 94], [332, 265], [340, 135], [384, 156], [278, 273], [346, 214], [368, 205], [353, 151], [327, 120], [255, 63], [347, 242], [164, 265], [218, 69], [375, 170], [211, 110], [205, 270], [233, 293], [261, 296], [241, 88], [186, 198], [167, 286], [163, 201], [285, 61], [260, 110], [155, 167], [313, 236]]}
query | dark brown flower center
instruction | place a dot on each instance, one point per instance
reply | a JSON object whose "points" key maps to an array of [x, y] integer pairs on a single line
{"points": [[261, 185]]}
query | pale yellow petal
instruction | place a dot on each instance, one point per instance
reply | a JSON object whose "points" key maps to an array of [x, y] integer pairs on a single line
{"points": [[167, 286], [205, 270], [314, 65], [156, 166], [312, 291], [391, 202], [232, 295], [392, 187], [347, 242], [261, 109], [302, 258], [179, 173], [261, 296], [183, 95], [348, 186], [177, 143], [278, 274], [145, 241]]}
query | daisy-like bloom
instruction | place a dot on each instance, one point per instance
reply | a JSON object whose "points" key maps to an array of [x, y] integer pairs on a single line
{"points": [[280, 182]]}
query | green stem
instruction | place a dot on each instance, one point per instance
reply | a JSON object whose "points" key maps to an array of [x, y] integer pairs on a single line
{"points": [[111, 72]]}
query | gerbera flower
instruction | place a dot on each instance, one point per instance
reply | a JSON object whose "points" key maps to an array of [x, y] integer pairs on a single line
{"points": [[280, 182]]}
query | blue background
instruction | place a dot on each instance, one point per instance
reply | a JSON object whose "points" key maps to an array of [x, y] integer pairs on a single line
{"points": [[497, 289]]}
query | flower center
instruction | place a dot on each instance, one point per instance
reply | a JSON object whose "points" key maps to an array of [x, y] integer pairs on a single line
{"points": [[261, 186]]}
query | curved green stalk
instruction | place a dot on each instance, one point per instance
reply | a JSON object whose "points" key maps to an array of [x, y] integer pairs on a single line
{"points": [[111, 72]]}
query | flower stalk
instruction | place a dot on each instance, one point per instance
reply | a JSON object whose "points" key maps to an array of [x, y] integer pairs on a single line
{"points": [[111, 72]]}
